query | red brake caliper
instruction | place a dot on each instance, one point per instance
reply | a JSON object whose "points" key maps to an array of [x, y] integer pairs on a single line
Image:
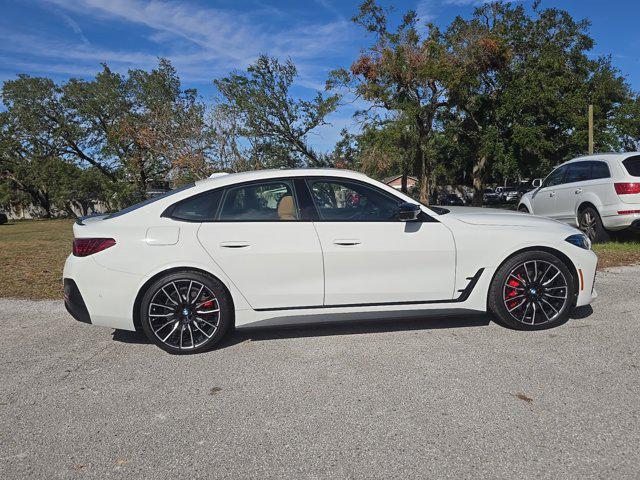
{"points": [[512, 293], [206, 305]]}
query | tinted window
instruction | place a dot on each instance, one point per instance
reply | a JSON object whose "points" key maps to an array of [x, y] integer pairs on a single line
{"points": [[199, 208], [578, 172], [599, 170], [342, 200], [632, 164], [150, 200], [259, 202], [556, 177]]}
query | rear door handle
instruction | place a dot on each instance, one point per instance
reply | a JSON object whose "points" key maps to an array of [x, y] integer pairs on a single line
{"points": [[236, 244], [578, 191], [552, 194], [346, 242]]}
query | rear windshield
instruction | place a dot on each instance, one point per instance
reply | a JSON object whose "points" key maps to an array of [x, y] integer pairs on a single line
{"points": [[632, 164], [150, 200]]}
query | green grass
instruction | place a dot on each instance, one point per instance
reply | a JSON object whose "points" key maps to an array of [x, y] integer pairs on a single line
{"points": [[618, 252], [32, 254]]}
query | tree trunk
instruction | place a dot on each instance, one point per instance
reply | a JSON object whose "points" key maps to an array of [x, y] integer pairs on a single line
{"points": [[405, 175], [477, 175], [420, 162]]}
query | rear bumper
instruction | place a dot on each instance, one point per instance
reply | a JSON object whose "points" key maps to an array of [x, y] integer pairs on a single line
{"points": [[74, 303], [614, 221], [107, 296]]}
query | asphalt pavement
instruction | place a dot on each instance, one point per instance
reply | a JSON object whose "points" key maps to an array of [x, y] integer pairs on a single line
{"points": [[436, 397]]}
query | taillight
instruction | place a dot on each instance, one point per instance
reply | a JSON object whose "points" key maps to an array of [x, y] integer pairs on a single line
{"points": [[627, 188], [83, 247]]}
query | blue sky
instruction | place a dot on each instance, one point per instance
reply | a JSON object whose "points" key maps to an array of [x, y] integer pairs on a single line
{"points": [[207, 39]]}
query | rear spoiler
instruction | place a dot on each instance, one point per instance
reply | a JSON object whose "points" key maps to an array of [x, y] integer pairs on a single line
{"points": [[92, 217]]}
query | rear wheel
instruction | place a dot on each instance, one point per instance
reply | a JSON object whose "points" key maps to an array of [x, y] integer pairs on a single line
{"points": [[186, 312], [532, 290], [590, 223]]}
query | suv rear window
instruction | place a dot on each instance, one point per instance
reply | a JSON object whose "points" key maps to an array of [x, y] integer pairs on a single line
{"points": [[632, 164]]}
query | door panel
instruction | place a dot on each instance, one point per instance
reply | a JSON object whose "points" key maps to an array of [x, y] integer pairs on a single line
{"points": [[272, 258], [273, 264], [544, 202], [370, 256], [387, 262]]}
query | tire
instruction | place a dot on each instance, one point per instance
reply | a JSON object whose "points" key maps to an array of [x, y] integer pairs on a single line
{"points": [[590, 223], [523, 209], [546, 279], [186, 312]]}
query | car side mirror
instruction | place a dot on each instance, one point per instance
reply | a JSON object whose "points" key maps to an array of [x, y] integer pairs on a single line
{"points": [[408, 212], [537, 183]]}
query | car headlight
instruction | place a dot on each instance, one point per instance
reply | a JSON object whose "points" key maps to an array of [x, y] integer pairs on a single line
{"points": [[579, 240]]}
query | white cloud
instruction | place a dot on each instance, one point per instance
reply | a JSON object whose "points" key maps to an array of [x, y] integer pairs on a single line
{"points": [[229, 35], [424, 10]]}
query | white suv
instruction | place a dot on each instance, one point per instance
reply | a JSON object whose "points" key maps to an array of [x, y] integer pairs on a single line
{"points": [[596, 193]]}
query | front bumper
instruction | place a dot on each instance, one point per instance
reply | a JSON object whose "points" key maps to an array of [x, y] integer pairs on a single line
{"points": [[586, 263]]}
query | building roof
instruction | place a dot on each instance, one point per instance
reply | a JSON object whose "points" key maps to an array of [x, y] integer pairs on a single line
{"points": [[395, 177]]}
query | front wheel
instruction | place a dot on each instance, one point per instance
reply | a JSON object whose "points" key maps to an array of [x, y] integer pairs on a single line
{"points": [[186, 312], [531, 291]]}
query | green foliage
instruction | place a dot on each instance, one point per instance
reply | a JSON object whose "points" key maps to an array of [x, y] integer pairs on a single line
{"points": [[496, 97], [275, 124]]}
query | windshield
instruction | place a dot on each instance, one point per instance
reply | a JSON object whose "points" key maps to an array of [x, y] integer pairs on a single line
{"points": [[149, 201]]}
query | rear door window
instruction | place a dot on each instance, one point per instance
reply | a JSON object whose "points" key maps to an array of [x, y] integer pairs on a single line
{"points": [[632, 164], [599, 170], [260, 202], [578, 172]]}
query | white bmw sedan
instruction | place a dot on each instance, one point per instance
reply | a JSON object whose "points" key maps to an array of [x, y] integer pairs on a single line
{"points": [[187, 266]]}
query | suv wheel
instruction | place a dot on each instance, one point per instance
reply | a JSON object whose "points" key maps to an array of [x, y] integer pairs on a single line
{"points": [[590, 223]]}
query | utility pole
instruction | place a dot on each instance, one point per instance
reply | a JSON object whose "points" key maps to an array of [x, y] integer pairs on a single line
{"points": [[590, 129]]}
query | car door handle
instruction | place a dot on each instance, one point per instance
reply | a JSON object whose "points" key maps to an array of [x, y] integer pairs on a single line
{"points": [[236, 244], [578, 191], [346, 242], [552, 194]]}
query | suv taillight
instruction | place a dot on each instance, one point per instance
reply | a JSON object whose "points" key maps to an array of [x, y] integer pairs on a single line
{"points": [[83, 247], [627, 188]]}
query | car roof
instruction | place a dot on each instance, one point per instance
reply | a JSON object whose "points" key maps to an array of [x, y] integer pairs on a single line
{"points": [[220, 180], [606, 156]]}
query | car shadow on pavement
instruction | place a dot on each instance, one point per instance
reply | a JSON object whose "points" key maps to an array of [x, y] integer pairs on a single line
{"points": [[343, 325], [353, 327], [327, 326]]}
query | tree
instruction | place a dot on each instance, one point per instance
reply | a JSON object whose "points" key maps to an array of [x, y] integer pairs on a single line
{"points": [[135, 130], [480, 57], [404, 74], [275, 124]]}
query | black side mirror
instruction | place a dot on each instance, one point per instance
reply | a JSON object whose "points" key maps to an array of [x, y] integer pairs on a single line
{"points": [[408, 212]]}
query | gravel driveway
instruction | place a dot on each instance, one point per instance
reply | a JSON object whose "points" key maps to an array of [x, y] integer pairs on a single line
{"points": [[426, 398]]}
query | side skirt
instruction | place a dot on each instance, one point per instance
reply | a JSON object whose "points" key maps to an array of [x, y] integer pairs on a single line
{"points": [[464, 295]]}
